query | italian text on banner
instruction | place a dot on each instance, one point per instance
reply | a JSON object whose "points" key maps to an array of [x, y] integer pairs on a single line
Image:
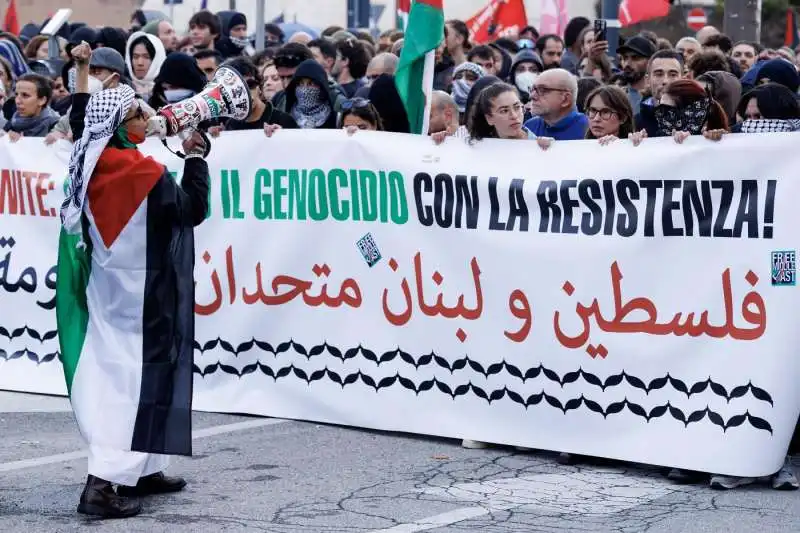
{"points": [[630, 303]]}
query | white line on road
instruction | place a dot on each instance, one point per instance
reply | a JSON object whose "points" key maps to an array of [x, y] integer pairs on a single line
{"points": [[199, 434], [436, 521]]}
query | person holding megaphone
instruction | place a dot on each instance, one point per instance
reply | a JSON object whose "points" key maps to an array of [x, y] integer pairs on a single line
{"points": [[125, 296]]}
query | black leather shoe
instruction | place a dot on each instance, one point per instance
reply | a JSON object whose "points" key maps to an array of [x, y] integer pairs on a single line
{"points": [[99, 499], [156, 483]]}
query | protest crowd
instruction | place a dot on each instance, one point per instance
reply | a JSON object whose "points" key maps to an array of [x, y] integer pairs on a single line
{"points": [[520, 86]]}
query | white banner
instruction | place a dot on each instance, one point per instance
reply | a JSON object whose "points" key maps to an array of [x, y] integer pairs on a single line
{"points": [[630, 303]]}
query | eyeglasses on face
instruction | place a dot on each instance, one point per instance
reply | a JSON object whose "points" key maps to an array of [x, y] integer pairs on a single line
{"points": [[542, 90], [605, 113]]}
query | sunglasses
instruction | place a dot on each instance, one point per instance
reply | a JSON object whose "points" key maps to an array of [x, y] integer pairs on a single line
{"points": [[355, 103], [288, 61], [251, 83]]}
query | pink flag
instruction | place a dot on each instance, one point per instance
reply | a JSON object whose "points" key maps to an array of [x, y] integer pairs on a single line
{"points": [[554, 17]]}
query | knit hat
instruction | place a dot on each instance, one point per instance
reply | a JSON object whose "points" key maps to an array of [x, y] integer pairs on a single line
{"points": [[471, 67], [780, 71]]}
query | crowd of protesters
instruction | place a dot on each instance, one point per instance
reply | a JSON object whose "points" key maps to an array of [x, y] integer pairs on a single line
{"points": [[525, 86]]}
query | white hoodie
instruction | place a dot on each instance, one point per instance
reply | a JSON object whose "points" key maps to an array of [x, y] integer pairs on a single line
{"points": [[144, 86]]}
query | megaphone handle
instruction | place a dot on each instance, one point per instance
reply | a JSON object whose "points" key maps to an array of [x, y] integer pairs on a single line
{"points": [[185, 134]]}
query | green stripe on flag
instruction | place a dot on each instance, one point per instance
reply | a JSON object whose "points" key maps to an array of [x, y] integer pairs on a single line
{"points": [[424, 33], [72, 310]]}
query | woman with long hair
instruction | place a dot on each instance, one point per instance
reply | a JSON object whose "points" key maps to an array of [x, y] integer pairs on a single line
{"points": [[610, 114], [687, 109], [498, 114]]}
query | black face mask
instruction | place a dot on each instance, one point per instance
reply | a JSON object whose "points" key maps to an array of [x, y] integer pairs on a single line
{"points": [[691, 118]]}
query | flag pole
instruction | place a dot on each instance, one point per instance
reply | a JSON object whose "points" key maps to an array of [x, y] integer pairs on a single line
{"points": [[260, 21], [427, 88]]}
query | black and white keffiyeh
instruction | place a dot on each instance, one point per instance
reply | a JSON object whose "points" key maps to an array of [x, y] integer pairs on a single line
{"points": [[770, 125], [104, 114]]}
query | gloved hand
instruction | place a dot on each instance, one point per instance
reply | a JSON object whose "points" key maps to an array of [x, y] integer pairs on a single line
{"points": [[156, 127]]}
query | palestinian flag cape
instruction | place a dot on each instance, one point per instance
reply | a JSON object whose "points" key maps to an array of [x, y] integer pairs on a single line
{"points": [[125, 306]]}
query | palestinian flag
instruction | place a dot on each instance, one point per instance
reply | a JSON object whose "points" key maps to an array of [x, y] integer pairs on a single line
{"points": [[125, 306], [403, 8], [414, 76]]}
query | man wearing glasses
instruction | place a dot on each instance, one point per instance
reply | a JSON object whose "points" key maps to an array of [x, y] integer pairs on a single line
{"points": [[263, 113], [553, 100]]}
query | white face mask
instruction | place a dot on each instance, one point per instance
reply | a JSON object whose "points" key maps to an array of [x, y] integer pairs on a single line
{"points": [[525, 81], [176, 95], [95, 85]]}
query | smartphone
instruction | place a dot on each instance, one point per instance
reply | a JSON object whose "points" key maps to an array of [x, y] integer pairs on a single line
{"points": [[600, 26]]}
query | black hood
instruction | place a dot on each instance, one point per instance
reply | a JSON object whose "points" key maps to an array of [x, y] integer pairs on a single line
{"points": [[229, 19], [313, 71], [384, 96]]}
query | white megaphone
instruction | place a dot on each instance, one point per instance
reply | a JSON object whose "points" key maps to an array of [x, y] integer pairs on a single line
{"points": [[226, 96]]}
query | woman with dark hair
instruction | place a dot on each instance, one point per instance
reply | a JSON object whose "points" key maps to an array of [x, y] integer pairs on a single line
{"points": [[144, 56], [498, 114], [33, 117], [771, 107], [360, 114], [687, 109], [37, 48], [610, 114]]}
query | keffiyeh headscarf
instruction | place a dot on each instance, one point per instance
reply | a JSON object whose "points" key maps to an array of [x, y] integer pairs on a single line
{"points": [[104, 114], [311, 110], [770, 125], [689, 118], [12, 54]]}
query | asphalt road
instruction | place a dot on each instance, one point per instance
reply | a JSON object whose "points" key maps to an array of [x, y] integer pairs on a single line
{"points": [[259, 474]]}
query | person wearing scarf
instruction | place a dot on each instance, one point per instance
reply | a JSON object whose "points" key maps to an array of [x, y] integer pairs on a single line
{"points": [[308, 99], [233, 41], [464, 77], [125, 299], [769, 108], [144, 56], [33, 117]]}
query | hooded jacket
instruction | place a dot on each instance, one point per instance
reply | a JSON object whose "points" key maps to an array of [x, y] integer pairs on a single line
{"points": [[228, 20], [334, 89], [144, 86], [310, 69]]}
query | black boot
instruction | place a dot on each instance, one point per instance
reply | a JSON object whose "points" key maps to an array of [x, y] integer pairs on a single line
{"points": [[156, 483], [99, 499]]}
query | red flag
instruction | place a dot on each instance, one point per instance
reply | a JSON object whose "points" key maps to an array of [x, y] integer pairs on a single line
{"points": [[499, 18], [792, 38], [634, 11], [11, 24]]}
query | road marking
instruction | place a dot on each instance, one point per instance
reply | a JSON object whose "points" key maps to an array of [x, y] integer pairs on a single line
{"points": [[439, 520], [198, 434], [16, 402], [590, 491]]}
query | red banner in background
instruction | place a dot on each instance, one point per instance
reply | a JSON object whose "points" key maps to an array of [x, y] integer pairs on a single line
{"points": [[497, 19], [635, 11]]}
